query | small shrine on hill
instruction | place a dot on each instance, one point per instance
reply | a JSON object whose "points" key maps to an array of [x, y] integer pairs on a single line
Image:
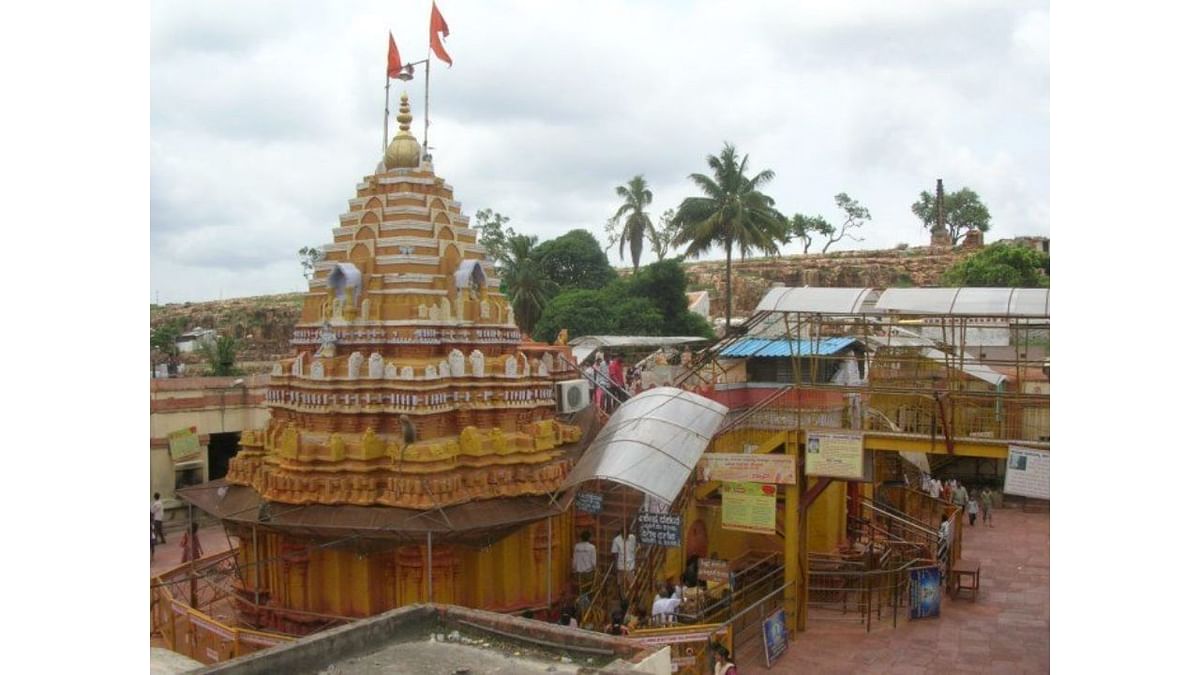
{"points": [[413, 442]]}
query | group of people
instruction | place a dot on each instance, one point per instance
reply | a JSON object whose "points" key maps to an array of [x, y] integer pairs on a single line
{"points": [[613, 377], [971, 502], [189, 542]]}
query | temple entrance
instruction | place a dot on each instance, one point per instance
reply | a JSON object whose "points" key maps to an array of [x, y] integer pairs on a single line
{"points": [[221, 448]]}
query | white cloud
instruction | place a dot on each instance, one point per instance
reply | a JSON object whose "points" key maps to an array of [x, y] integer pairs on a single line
{"points": [[265, 115]]}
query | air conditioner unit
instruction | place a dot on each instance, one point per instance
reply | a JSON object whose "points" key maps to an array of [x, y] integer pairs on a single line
{"points": [[572, 396]]}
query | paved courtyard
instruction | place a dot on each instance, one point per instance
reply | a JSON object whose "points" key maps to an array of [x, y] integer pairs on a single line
{"points": [[1007, 630], [170, 554]]}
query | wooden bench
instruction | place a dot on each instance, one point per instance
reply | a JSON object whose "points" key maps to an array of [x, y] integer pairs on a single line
{"points": [[964, 570]]}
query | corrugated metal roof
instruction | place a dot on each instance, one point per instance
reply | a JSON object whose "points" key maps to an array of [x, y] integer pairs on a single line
{"points": [[759, 347]]}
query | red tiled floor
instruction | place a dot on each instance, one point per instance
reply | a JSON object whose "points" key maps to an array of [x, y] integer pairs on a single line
{"points": [[1007, 630]]}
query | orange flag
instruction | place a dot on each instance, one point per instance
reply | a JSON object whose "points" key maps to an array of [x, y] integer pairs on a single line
{"points": [[437, 24], [395, 66]]}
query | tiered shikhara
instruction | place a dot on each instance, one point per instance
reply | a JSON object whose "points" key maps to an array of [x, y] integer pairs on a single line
{"points": [[410, 386]]}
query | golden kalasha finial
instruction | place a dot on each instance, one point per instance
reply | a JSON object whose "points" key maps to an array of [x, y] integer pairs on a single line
{"points": [[404, 152]]}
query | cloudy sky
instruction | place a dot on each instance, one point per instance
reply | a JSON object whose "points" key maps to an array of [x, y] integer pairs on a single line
{"points": [[264, 115]]}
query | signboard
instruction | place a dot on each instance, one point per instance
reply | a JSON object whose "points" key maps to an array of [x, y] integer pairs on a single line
{"points": [[751, 468], [775, 636], [1028, 473], [834, 454], [589, 502], [749, 507], [659, 529], [712, 569], [183, 444], [689, 645], [925, 584]]}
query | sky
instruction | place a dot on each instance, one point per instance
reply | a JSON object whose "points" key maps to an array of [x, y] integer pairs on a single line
{"points": [[265, 115]]}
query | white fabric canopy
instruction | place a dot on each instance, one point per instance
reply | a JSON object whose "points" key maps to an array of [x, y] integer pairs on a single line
{"points": [[652, 442]]}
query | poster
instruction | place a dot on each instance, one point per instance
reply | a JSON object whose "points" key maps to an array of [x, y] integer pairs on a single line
{"points": [[184, 444], [749, 468], [775, 636], [834, 454], [589, 502], [749, 507], [712, 569], [925, 588], [1027, 473], [659, 529]]}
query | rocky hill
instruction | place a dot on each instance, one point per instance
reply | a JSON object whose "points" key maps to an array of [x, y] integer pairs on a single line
{"points": [[264, 323]]}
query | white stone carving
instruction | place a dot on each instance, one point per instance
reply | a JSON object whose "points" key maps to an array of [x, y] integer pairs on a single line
{"points": [[355, 365], [389, 371], [485, 310], [277, 369], [375, 366], [365, 309], [510, 367], [318, 370], [298, 365], [431, 372], [547, 364], [406, 373], [457, 364], [523, 364], [444, 369], [422, 312], [543, 370], [445, 308], [477, 363]]}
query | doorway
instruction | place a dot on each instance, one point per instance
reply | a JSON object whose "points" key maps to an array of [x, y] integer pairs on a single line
{"points": [[221, 448]]}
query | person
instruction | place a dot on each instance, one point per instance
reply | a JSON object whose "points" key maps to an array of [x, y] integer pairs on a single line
{"points": [[972, 509], [986, 501], [153, 537], [599, 379], [624, 550], [944, 540], [725, 665], [190, 542], [635, 618], [583, 562], [665, 604], [156, 511], [616, 374], [567, 617], [959, 496], [617, 626], [691, 571], [935, 488]]}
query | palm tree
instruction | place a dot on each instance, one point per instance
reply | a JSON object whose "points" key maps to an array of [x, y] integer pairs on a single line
{"points": [[731, 213], [637, 197], [528, 288]]}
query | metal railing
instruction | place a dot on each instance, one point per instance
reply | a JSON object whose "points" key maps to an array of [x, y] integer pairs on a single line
{"points": [[853, 593]]}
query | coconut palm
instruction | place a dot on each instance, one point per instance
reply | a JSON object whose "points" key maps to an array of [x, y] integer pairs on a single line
{"points": [[732, 213], [637, 197], [529, 290]]}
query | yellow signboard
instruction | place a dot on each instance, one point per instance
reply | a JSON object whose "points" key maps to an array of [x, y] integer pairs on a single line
{"points": [[184, 444], [834, 454], [749, 507], [750, 468]]}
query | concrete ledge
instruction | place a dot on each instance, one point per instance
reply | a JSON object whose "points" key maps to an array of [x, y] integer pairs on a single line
{"points": [[316, 652]]}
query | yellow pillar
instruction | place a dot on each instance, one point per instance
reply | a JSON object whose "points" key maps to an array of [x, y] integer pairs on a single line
{"points": [[791, 541]]}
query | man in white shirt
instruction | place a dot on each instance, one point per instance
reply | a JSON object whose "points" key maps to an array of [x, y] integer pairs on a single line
{"points": [[156, 510], [624, 549], [663, 609], [584, 560]]}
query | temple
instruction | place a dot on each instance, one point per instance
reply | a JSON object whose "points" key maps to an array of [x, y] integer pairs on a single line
{"points": [[412, 441]]}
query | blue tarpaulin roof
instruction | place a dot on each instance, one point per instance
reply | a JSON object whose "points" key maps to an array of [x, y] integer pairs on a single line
{"points": [[761, 347]]}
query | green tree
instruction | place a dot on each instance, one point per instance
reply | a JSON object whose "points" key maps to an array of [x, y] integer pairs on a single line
{"points": [[732, 213], [580, 311], [163, 340], [638, 316], [574, 260], [309, 257], [527, 287], [220, 355], [855, 215], [1001, 265], [663, 234], [635, 196], [665, 284], [493, 236], [963, 210], [804, 227]]}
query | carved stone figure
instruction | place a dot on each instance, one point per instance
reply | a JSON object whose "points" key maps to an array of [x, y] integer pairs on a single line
{"points": [[318, 370], [457, 363], [477, 363], [375, 366], [355, 365]]}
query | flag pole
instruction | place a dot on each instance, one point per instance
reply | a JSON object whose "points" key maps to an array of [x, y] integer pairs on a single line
{"points": [[387, 100], [425, 143]]}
